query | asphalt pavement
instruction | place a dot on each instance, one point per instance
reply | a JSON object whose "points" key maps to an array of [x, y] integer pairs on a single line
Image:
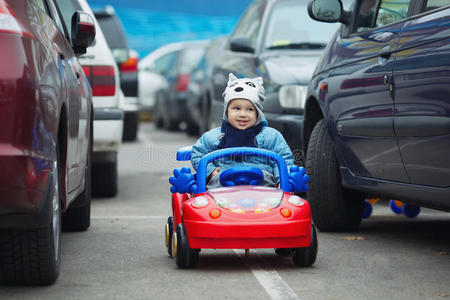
{"points": [[123, 255]]}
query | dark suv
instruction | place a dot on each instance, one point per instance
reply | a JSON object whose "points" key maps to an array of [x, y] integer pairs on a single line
{"points": [[377, 115], [46, 135]]}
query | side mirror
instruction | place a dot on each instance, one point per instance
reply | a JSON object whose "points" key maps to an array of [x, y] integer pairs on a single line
{"points": [[329, 11], [241, 44], [83, 32]]}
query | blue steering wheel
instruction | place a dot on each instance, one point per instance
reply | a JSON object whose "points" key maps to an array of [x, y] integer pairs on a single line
{"points": [[241, 176]]}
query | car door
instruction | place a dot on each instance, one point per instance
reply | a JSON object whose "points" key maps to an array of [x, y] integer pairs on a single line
{"points": [[359, 88], [240, 63], [70, 72], [422, 95]]}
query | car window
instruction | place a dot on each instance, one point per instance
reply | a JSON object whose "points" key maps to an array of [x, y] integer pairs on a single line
{"points": [[163, 64], [40, 4], [113, 30], [377, 13], [290, 27], [250, 22], [391, 11], [433, 4], [190, 57], [67, 9], [55, 16]]}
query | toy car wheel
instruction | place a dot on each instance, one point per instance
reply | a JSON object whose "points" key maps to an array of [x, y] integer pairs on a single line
{"points": [[306, 256], [367, 209], [333, 207], [283, 252], [186, 257], [411, 211], [169, 234]]}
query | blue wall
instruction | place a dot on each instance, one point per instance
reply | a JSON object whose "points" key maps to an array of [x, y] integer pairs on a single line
{"points": [[153, 23]]}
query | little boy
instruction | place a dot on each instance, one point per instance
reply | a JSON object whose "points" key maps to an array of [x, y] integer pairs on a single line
{"points": [[243, 125]]}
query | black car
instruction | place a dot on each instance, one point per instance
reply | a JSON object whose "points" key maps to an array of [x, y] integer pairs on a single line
{"points": [[170, 106], [274, 39], [127, 60], [377, 114]]}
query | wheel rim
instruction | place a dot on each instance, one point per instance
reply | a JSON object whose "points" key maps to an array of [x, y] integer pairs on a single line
{"points": [[56, 221], [167, 236], [174, 244]]}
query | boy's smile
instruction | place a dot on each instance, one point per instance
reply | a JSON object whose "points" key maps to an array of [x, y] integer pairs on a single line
{"points": [[241, 114]]}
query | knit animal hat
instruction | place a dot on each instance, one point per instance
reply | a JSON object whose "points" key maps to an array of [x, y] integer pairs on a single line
{"points": [[244, 88]]}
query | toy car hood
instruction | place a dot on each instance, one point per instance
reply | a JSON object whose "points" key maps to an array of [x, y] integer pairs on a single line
{"points": [[247, 198]]}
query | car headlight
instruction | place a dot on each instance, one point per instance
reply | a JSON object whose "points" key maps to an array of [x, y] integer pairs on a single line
{"points": [[293, 96], [200, 202]]}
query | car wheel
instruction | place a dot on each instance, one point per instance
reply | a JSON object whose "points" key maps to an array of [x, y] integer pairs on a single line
{"points": [[169, 123], [158, 115], [169, 234], [78, 215], [104, 179], [185, 256], [33, 256], [192, 129], [306, 256], [333, 208], [130, 127]]}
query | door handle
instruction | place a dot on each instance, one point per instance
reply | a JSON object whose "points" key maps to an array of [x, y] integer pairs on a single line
{"points": [[385, 52]]}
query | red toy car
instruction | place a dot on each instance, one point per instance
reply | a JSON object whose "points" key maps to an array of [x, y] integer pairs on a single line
{"points": [[240, 215]]}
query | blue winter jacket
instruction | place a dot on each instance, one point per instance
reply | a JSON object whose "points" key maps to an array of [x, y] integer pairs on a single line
{"points": [[269, 138]]}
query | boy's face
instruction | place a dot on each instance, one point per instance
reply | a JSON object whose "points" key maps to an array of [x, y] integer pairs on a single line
{"points": [[241, 114]]}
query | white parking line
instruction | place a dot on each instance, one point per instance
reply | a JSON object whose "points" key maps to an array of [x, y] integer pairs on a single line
{"points": [[269, 279]]}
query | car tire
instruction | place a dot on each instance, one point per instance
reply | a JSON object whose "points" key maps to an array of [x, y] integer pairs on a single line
{"points": [[306, 256], [186, 257], [169, 123], [169, 234], [78, 215], [33, 256], [158, 115], [192, 129], [130, 127], [333, 208], [104, 179]]}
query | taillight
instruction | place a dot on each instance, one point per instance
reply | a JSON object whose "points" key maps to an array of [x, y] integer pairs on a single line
{"points": [[131, 65], [9, 23], [182, 82], [102, 80]]}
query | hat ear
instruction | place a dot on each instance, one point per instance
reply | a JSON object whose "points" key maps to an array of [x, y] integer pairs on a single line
{"points": [[231, 78], [259, 80]]}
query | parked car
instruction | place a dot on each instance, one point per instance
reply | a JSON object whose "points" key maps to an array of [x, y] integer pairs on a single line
{"points": [[127, 60], [170, 106], [103, 74], [199, 89], [152, 72], [46, 136], [377, 115], [276, 40]]}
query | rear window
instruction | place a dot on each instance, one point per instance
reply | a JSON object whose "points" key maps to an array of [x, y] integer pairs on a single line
{"points": [[113, 30]]}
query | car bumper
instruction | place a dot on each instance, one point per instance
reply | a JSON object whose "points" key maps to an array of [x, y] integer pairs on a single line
{"points": [[23, 182], [232, 235], [108, 126], [291, 126]]}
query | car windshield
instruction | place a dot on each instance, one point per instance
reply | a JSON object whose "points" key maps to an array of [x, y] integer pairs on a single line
{"points": [[290, 27]]}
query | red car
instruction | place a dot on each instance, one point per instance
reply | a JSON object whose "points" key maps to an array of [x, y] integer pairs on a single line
{"points": [[240, 215], [46, 135]]}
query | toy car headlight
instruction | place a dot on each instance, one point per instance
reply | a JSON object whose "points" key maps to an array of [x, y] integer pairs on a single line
{"points": [[200, 202], [296, 200], [293, 96]]}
